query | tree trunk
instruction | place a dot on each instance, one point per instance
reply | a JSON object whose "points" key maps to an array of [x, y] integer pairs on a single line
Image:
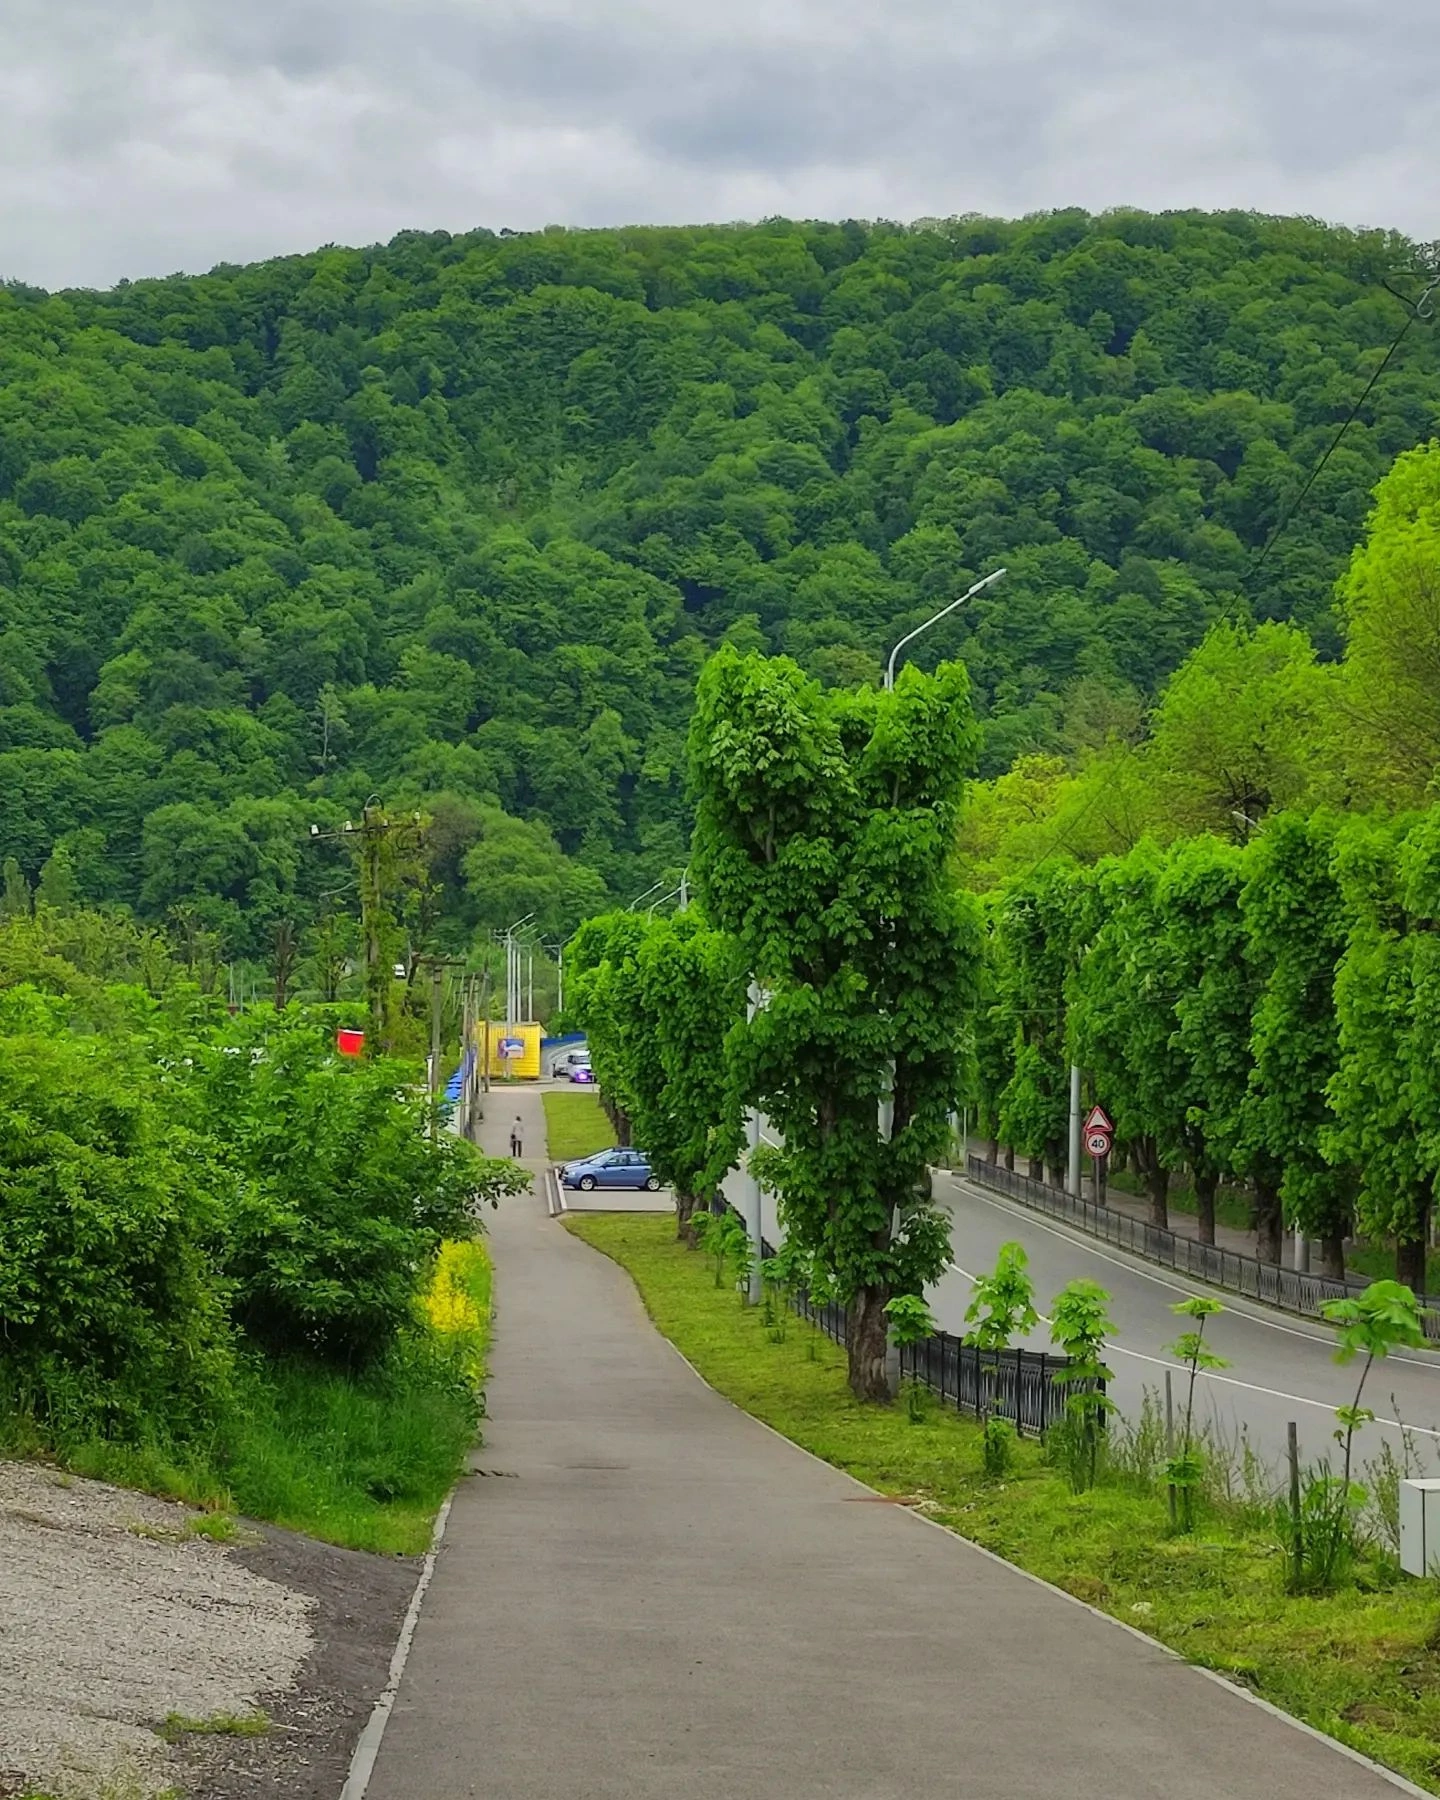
{"points": [[992, 1150], [1157, 1180], [868, 1331], [619, 1122], [1205, 1185], [1035, 1167], [1157, 1191], [1332, 1256], [1410, 1250], [1008, 1160], [1410, 1262], [686, 1206], [1269, 1223]]}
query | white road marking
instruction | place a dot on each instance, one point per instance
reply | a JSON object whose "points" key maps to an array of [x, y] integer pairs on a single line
{"points": [[1254, 1387], [1078, 1242]]}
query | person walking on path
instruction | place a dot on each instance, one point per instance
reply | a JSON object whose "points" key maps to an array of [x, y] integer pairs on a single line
{"points": [[517, 1139]]}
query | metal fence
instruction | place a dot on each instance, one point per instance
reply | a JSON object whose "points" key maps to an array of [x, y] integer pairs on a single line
{"points": [[1027, 1387], [1289, 1289]]}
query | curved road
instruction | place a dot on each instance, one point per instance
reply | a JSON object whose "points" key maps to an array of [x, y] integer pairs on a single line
{"points": [[1281, 1368]]}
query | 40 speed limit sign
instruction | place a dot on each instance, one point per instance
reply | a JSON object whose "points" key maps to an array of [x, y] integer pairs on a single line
{"points": [[1099, 1130]]}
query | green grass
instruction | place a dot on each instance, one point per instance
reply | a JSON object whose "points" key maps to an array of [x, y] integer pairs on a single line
{"points": [[1378, 1262], [359, 1461], [1233, 1206], [175, 1726], [1362, 1664], [575, 1125]]}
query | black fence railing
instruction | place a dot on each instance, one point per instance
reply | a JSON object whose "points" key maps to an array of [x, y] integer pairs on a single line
{"points": [[1292, 1290], [1027, 1387]]}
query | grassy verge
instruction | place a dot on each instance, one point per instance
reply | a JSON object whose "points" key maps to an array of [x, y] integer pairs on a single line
{"points": [[1378, 1262], [360, 1461], [575, 1125], [1362, 1664], [1233, 1206]]}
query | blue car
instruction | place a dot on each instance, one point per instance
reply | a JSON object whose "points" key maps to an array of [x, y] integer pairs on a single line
{"points": [[610, 1169]]}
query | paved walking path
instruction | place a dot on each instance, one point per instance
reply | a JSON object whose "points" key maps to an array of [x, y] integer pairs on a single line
{"points": [[646, 1595]]}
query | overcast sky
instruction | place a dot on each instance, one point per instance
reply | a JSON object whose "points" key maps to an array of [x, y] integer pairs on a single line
{"points": [[138, 137]]}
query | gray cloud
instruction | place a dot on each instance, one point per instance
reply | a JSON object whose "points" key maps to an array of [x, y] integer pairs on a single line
{"points": [[172, 134]]}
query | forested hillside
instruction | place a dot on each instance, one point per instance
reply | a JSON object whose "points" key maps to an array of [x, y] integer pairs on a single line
{"points": [[456, 521]]}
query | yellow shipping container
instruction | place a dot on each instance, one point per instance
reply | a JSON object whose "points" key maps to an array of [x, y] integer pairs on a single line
{"points": [[512, 1050]]}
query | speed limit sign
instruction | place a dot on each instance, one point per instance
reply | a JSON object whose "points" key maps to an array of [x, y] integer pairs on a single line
{"points": [[1098, 1143]]}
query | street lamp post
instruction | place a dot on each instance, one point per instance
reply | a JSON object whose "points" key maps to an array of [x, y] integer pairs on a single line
{"points": [[646, 895], [943, 613]]}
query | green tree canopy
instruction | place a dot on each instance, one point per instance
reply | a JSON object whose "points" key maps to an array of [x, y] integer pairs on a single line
{"points": [[822, 844]]}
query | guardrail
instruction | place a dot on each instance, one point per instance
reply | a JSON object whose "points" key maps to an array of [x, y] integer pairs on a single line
{"points": [[1292, 1290], [1027, 1387]]}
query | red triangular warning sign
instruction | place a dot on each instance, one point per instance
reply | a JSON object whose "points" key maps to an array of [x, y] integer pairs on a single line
{"points": [[1097, 1119]]}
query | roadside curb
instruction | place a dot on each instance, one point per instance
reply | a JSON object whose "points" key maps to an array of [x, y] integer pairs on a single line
{"points": [[1397, 1781], [367, 1748]]}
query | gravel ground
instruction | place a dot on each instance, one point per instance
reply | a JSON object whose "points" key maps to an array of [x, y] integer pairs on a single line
{"points": [[114, 1614]]}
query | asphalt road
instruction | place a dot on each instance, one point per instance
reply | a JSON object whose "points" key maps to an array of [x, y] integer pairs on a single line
{"points": [[1281, 1368], [645, 1593]]}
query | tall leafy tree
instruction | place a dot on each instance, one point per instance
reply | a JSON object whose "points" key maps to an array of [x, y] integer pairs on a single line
{"points": [[992, 1063], [693, 983], [605, 1002], [824, 824], [1198, 910], [1240, 731], [1124, 1020], [658, 998], [1391, 602], [1295, 925], [1037, 922], [1386, 1090]]}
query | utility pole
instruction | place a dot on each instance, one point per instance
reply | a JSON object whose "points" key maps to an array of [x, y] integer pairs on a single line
{"points": [[1072, 1172], [437, 965], [485, 1031], [374, 834], [467, 1071], [754, 1205], [513, 993]]}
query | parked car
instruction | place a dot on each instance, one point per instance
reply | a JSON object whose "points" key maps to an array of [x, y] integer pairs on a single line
{"points": [[610, 1169]]}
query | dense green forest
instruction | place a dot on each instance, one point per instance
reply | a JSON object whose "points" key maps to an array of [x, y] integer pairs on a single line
{"points": [[457, 520]]}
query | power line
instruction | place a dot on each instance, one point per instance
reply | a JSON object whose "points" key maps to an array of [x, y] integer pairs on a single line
{"points": [[1421, 308]]}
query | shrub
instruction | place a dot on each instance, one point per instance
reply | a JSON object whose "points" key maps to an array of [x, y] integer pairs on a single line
{"points": [[1080, 1325], [343, 1199], [998, 1448], [111, 1304]]}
